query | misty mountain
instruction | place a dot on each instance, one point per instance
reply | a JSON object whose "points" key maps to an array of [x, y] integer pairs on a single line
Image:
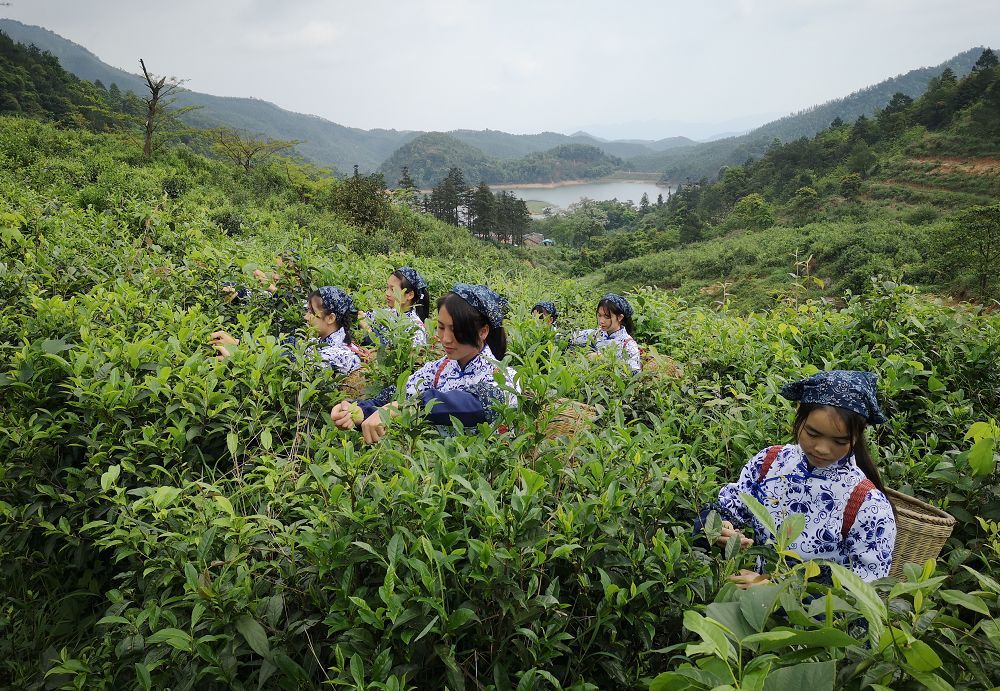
{"points": [[705, 160], [323, 142]]}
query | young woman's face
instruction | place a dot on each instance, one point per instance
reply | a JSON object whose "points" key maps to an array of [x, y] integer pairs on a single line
{"points": [[394, 289], [608, 320], [324, 324], [824, 437], [463, 352], [545, 317]]}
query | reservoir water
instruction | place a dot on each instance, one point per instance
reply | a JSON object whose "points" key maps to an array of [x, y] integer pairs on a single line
{"points": [[563, 195]]}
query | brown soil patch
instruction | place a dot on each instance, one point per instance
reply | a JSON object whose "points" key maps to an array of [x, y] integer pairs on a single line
{"points": [[972, 166]]}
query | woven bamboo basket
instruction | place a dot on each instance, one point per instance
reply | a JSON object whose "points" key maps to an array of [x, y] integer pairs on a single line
{"points": [[353, 384], [661, 365], [572, 417], [921, 531]]}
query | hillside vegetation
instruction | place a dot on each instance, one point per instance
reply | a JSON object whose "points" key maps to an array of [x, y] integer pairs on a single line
{"points": [[911, 193]]}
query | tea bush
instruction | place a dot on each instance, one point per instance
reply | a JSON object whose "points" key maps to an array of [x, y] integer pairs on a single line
{"points": [[169, 520]]}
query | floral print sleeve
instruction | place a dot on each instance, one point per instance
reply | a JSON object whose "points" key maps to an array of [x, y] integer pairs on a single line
{"points": [[730, 506]]}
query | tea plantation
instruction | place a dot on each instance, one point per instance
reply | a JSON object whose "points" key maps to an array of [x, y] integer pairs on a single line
{"points": [[168, 520]]}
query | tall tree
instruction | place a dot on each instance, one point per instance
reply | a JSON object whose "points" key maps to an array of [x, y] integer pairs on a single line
{"points": [[483, 212], [409, 189], [158, 102]]}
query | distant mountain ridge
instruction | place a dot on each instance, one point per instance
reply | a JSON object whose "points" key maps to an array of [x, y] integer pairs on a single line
{"points": [[323, 142], [705, 160], [330, 144]]}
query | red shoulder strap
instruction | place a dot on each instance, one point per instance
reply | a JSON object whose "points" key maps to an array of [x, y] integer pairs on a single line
{"points": [[437, 375], [858, 495], [772, 453]]}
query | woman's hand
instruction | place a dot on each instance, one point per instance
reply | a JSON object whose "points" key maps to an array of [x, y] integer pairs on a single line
{"points": [[343, 415], [373, 428], [729, 532], [748, 579], [220, 340]]}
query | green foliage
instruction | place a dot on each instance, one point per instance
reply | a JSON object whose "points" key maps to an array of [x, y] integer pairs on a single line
{"points": [[169, 520], [970, 246], [752, 212]]}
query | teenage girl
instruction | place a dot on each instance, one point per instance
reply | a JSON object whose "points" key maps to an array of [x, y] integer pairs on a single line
{"points": [[614, 321], [827, 474], [460, 385]]}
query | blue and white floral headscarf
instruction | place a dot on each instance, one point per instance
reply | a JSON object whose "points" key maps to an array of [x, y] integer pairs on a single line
{"points": [[412, 277], [620, 303], [484, 301], [337, 301], [547, 308], [848, 389]]}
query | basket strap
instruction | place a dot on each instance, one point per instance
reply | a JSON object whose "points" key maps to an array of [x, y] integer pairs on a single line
{"points": [[858, 495], [437, 375], [772, 453]]}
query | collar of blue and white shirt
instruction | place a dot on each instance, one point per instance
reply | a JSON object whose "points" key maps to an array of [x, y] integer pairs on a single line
{"points": [[335, 339]]}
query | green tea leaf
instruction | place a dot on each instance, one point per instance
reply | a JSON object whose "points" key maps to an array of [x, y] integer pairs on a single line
{"points": [[254, 634], [760, 513], [109, 476], [973, 602], [981, 457]]}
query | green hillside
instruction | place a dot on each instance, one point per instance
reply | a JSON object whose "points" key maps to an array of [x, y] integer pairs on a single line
{"points": [[704, 160], [885, 196]]}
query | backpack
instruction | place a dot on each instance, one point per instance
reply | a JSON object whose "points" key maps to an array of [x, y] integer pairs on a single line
{"points": [[858, 494]]}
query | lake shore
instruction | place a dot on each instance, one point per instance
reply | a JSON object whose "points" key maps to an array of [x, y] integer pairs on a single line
{"points": [[565, 183]]}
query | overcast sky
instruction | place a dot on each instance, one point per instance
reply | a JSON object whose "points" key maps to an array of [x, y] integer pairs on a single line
{"points": [[525, 66]]}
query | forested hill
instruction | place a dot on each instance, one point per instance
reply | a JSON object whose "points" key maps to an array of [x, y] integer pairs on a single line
{"points": [[704, 160], [323, 142], [429, 157]]}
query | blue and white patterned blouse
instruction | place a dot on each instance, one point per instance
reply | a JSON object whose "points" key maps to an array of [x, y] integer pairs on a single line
{"points": [[334, 353], [419, 330], [469, 394], [793, 486], [628, 349], [475, 378]]}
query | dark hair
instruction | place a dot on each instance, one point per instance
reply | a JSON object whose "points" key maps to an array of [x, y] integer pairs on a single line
{"points": [[346, 321], [422, 301], [856, 425], [467, 323], [613, 309]]}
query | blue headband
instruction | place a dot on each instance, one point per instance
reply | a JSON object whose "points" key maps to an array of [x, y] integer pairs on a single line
{"points": [[547, 308], [336, 301], [412, 277], [854, 391], [484, 301], [620, 303]]}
